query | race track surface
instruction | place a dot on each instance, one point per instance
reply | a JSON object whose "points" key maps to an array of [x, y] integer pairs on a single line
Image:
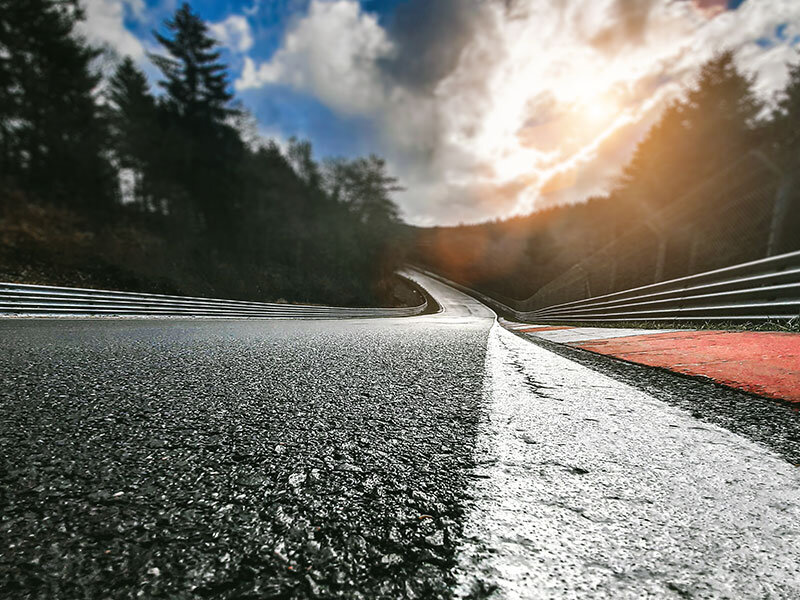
{"points": [[422, 457]]}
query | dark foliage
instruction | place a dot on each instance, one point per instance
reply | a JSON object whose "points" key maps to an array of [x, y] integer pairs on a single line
{"points": [[168, 191], [52, 136]]}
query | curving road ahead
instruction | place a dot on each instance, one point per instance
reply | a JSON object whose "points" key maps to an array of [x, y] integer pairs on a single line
{"points": [[419, 457]]}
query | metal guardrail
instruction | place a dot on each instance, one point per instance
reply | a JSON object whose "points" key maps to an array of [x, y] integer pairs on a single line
{"points": [[758, 291], [38, 300]]}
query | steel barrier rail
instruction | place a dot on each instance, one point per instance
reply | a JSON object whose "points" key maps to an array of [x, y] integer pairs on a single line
{"points": [[37, 300], [758, 291], [774, 266]]}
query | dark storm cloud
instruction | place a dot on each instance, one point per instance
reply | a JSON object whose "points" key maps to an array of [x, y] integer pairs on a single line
{"points": [[429, 36]]}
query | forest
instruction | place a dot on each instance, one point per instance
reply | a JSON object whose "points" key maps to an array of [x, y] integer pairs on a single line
{"points": [[713, 183], [107, 183]]}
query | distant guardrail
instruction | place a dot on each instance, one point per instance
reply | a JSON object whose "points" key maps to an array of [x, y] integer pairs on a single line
{"points": [[758, 291], [39, 300]]}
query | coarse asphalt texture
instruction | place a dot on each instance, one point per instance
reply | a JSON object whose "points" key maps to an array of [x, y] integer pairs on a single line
{"points": [[381, 458], [237, 459]]}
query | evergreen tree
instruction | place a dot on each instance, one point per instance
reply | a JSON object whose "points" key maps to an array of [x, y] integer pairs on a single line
{"points": [[786, 121], [721, 114], [300, 157], [133, 119], [785, 136], [697, 136], [202, 152], [194, 80], [52, 139]]}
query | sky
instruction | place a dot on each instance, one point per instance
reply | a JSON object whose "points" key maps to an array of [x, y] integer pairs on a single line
{"points": [[482, 108]]}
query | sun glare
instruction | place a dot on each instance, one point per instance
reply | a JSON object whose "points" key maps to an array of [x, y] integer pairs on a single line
{"points": [[600, 110]]}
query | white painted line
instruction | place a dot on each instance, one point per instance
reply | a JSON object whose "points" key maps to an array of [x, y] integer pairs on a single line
{"points": [[589, 488], [583, 334]]}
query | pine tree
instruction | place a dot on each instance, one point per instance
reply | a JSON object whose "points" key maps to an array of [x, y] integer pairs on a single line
{"points": [[52, 137], [650, 172], [201, 152], [194, 80], [134, 126], [697, 136], [785, 137], [786, 121], [129, 93], [721, 113]]}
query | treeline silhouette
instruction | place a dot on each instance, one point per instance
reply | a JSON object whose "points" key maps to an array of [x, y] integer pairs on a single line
{"points": [[713, 183], [105, 183]]}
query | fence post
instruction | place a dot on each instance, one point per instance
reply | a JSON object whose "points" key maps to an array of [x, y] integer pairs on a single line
{"points": [[587, 288]]}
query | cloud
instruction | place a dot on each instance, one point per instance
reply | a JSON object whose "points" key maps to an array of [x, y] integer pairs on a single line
{"points": [[429, 38], [331, 53], [628, 23], [234, 32], [495, 107], [253, 8], [711, 7], [105, 25]]}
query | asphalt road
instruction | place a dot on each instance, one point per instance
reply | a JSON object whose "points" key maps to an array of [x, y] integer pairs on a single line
{"points": [[588, 487], [236, 459], [426, 457]]}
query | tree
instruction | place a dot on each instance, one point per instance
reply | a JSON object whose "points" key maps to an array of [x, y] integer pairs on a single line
{"points": [[650, 174], [721, 113], [52, 137], [785, 135], [202, 153], [786, 120], [133, 120], [302, 161], [365, 187], [714, 125], [194, 80]]}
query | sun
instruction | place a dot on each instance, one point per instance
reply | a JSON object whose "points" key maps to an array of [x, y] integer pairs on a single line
{"points": [[599, 110]]}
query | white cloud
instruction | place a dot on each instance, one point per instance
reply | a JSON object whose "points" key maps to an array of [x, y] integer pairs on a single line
{"points": [[253, 8], [331, 53], [545, 103], [105, 25], [549, 110], [234, 32]]}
